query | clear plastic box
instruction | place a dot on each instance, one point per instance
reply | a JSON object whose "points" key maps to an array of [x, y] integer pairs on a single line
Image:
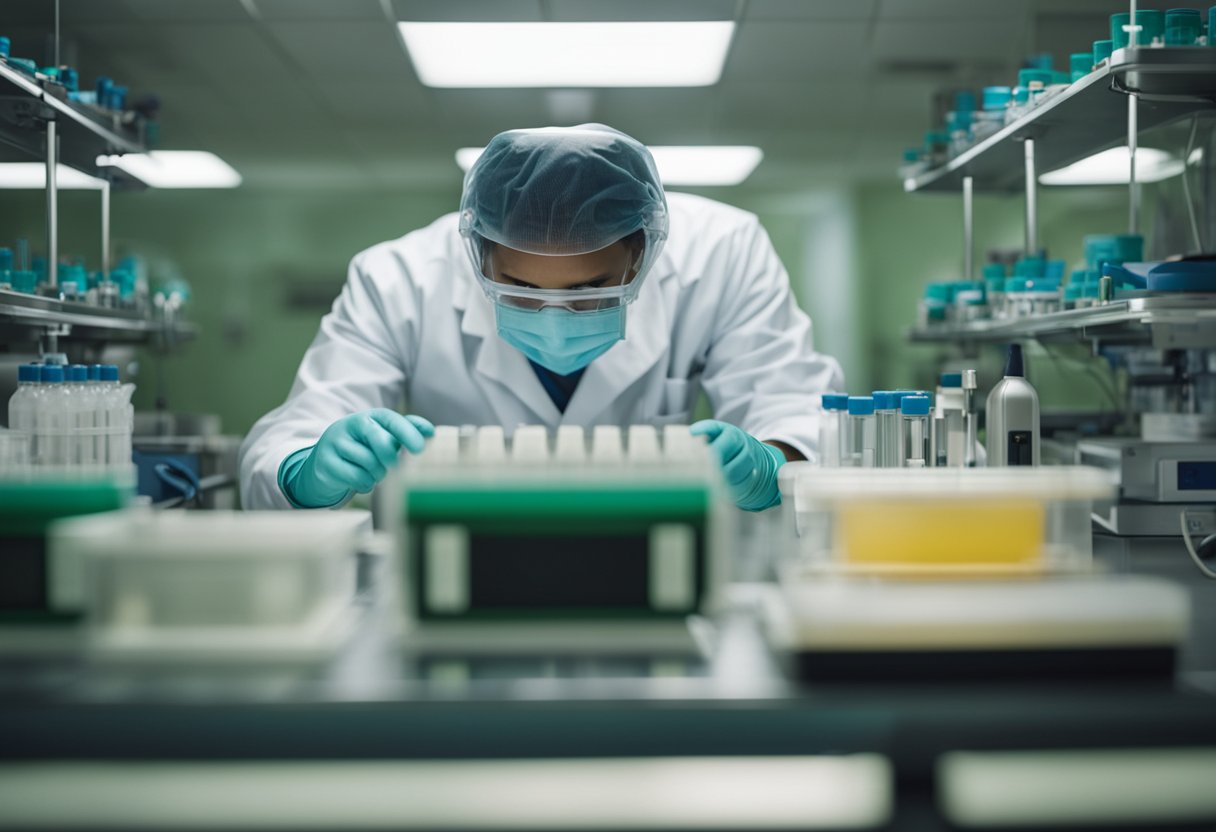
{"points": [[943, 521], [220, 584]]}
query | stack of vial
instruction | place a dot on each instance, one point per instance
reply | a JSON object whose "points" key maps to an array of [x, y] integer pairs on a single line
{"points": [[75, 419], [533, 448], [901, 428]]}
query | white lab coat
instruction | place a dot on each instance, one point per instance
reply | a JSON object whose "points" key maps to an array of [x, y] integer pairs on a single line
{"points": [[412, 328]]}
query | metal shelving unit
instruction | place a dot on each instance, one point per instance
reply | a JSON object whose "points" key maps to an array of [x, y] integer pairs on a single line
{"points": [[1170, 83], [39, 123], [84, 132], [87, 322], [1163, 322]]}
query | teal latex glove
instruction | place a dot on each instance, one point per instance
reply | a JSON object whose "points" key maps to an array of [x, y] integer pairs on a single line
{"points": [[750, 465], [353, 454]]}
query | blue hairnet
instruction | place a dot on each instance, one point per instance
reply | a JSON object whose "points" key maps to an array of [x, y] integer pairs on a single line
{"points": [[563, 190]]}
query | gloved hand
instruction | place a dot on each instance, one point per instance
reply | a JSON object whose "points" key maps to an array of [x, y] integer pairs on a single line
{"points": [[353, 454], [750, 465]]}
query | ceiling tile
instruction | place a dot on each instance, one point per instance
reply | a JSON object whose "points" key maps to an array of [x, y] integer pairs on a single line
{"points": [[576, 10], [379, 104], [811, 104], [344, 50], [319, 9], [949, 40], [811, 9], [230, 11], [468, 10], [950, 9], [773, 51]]}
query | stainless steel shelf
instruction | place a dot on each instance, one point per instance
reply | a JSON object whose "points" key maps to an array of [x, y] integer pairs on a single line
{"points": [[1089, 116], [85, 322], [1165, 322], [84, 132]]}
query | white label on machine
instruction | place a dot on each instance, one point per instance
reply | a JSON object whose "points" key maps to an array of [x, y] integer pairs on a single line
{"points": [[672, 549], [447, 569]]}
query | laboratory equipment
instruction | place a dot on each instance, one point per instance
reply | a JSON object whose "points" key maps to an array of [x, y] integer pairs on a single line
{"points": [[832, 429], [580, 542], [886, 422], [1150, 25], [862, 432], [1183, 27], [1102, 50], [1013, 416], [949, 425], [914, 442], [191, 441], [1080, 64], [992, 117], [1003, 584], [217, 585], [32, 582], [969, 419]]}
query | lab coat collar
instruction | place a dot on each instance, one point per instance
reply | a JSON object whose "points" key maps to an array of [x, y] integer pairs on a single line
{"points": [[647, 339]]}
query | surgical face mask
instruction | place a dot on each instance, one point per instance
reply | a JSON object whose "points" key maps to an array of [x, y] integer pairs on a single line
{"points": [[558, 339]]}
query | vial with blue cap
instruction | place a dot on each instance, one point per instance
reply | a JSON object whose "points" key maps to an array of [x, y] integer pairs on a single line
{"points": [[886, 418], [862, 433], [914, 444], [832, 428], [991, 118]]}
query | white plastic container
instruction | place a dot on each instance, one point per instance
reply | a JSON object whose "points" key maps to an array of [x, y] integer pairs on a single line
{"points": [[215, 585], [948, 521]]}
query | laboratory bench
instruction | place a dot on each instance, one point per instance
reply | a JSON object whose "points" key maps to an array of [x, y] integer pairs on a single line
{"points": [[444, 723]]}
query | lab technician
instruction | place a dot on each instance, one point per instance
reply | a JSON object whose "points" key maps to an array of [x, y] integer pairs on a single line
{"points": [[568, 290]]}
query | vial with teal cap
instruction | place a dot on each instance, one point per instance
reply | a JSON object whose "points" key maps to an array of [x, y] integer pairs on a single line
{"points": [[862, 433], [914, 432]]}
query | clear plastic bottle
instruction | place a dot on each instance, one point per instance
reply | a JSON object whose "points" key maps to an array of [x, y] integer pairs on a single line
{"points": [[23, 402], [862, 432], [832, 429], [914, 432], [120, 417], [51, 419], [82, 418]]}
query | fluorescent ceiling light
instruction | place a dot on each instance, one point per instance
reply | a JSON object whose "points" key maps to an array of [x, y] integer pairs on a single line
{"points": [[1113, 167], [32, 175], [176, 169], [725, 165], [678, 54], [680, 165]]}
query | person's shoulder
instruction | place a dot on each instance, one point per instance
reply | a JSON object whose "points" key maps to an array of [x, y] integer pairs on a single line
{"points": [[699, 214]]}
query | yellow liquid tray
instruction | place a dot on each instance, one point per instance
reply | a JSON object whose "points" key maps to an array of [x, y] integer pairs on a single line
{"points": [[941, 532]]}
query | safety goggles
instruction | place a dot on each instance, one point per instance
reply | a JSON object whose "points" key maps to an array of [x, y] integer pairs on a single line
{"points": [[616, 292]]}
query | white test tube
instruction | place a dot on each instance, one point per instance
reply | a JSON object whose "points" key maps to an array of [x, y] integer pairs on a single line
{"points": [[862, 432], [914, 431], [831, 426], [886, 418]]}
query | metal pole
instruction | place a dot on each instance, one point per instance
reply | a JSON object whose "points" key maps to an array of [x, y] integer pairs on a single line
{"points": [[105, 229], [52, 205], [968, 231], [1032, 221], [1133, 206]]}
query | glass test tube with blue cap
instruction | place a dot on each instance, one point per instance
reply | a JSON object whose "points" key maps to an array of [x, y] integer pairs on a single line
{"points": [[832, 432], [886, 416], [914, 432], [862, 432]]}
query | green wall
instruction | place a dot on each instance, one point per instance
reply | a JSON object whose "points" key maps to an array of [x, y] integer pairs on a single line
{"points": [[244, 251]]}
